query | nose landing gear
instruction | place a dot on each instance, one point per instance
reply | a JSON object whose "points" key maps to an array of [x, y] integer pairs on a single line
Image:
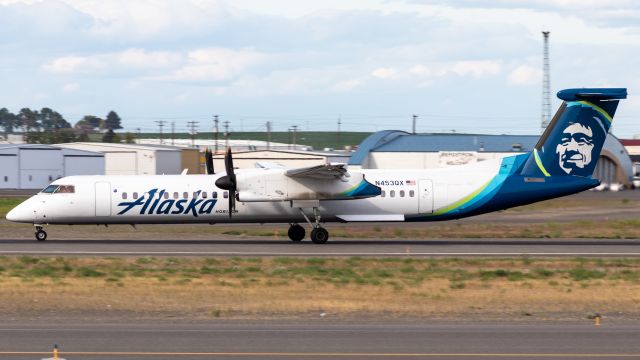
{"points": [[41, 235]]}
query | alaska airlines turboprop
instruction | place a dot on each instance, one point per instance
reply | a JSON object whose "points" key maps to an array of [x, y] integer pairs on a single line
{"points": [[561, 163]]}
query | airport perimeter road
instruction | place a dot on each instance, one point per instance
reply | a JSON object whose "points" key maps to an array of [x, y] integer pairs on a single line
{"points": [[351, 247], [318, 340]]}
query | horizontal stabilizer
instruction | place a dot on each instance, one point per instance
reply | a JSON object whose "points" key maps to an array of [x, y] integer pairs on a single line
{"points": [[592, 94]]}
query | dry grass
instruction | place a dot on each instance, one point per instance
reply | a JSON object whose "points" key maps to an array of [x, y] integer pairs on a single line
{"points": [[276, 287]]}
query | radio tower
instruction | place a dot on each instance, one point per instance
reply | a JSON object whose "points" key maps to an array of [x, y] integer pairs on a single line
{"points": [[546, 84]]}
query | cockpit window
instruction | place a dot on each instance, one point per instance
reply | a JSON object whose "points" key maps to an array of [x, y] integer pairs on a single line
{"points": [[49, 189], [66, 189]]}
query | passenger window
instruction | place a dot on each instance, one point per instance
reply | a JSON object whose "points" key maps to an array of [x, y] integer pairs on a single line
{"points": [[124, 196], [195, 194], [185, 195], [225, 194], [204, 194], [383, 193], [175, 195], [214, 194], [135, 195], [412, 193], [166, 195], [401, 193], [392, 193], [30, 177], [6, 178], [50, 178]]}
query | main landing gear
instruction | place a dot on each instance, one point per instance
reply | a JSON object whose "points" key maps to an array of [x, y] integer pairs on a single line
{"points": [[319, 235], [41, 235]]}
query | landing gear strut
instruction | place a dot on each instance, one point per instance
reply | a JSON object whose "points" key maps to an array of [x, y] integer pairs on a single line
{"points": [[41, 235], [319, 235], [296, 232]]}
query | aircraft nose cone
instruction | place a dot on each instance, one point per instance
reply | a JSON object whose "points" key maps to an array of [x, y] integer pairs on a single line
{"points": [[20, 213]]}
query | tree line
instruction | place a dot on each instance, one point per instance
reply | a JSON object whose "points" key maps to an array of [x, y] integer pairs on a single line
{"points": [[46, 126]]}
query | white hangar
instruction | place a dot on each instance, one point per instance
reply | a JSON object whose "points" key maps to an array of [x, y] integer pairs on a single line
{"points": [[134, 159], [34, 166]]}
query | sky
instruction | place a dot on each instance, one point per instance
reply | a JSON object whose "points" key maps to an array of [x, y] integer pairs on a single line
{"points": [[469, 66]]}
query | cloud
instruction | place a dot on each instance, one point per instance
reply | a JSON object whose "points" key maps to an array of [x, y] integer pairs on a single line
{"points": [[214, 64], [525, 75], [70, 64], [347, 85], [477, 69], [70, 87], [384, 73], [130, 60]]}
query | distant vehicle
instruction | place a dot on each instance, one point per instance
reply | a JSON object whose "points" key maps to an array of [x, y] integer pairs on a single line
{"points": [[561, 163]]}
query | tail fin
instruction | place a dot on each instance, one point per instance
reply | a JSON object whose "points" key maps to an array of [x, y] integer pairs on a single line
{"points": [[572, 142]]}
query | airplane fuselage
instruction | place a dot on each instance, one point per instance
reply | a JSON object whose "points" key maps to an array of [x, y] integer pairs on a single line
{"points": [[406, 195]]}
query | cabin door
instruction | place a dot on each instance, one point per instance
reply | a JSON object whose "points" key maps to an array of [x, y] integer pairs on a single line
{"points": [[103, 198], [425, 196]]}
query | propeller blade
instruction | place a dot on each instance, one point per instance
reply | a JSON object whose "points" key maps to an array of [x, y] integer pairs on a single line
{"points": [[228, 182], [208, 160], [232, 203]]}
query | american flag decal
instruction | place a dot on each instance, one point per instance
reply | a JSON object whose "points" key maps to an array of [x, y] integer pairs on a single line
{"points": [[411, 182]]}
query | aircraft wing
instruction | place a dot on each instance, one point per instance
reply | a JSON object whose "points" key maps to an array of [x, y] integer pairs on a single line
{"points": [[322, 172]]}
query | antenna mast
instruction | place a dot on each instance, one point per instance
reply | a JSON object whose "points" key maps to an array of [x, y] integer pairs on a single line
{"points": [[546, 84]]}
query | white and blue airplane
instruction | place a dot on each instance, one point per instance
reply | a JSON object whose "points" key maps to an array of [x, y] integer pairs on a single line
{"points": [[561, 163]]}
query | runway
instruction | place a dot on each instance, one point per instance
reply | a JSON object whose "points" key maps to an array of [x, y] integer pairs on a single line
{"points": [[317, 340], [351, 247]]}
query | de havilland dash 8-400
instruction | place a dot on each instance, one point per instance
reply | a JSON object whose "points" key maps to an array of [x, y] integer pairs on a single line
{"points": [[561, 163]]}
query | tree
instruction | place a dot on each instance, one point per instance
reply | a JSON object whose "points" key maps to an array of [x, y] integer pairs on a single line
{"points": [[7, 120], [28, 119], [129, 138], [110, 137], [91, 121], [113, 121]]}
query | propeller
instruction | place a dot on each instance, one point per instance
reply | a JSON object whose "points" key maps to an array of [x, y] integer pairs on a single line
{"points": [[228, 182], [208, 160]]}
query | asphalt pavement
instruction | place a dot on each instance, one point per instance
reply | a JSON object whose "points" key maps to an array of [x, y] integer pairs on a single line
{"points": [[350, 247], [317, 339]]}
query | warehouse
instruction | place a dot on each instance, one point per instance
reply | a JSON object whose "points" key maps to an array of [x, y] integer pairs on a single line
{"points": [[34, 166], [391, 149], [133, 159]]}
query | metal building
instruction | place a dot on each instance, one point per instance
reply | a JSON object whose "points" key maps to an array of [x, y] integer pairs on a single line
{"points": [[133, 159], [391, 149], [34, 166]]}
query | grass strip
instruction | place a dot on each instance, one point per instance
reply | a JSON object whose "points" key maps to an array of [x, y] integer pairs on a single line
{"points": [[234, 287]]}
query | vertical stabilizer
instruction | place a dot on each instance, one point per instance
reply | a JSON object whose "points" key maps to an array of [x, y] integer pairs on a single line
{"points": [[572, 142]]}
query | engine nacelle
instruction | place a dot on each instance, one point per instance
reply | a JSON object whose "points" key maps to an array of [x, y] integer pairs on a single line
{"points": [[274, 185]]}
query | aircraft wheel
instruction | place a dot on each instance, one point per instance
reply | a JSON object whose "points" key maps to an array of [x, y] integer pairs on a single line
{"points": [[319, 235], [296, 232], [41, 235]]}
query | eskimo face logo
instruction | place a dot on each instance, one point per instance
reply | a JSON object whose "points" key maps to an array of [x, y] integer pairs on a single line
{"points": [[575, 147]]}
